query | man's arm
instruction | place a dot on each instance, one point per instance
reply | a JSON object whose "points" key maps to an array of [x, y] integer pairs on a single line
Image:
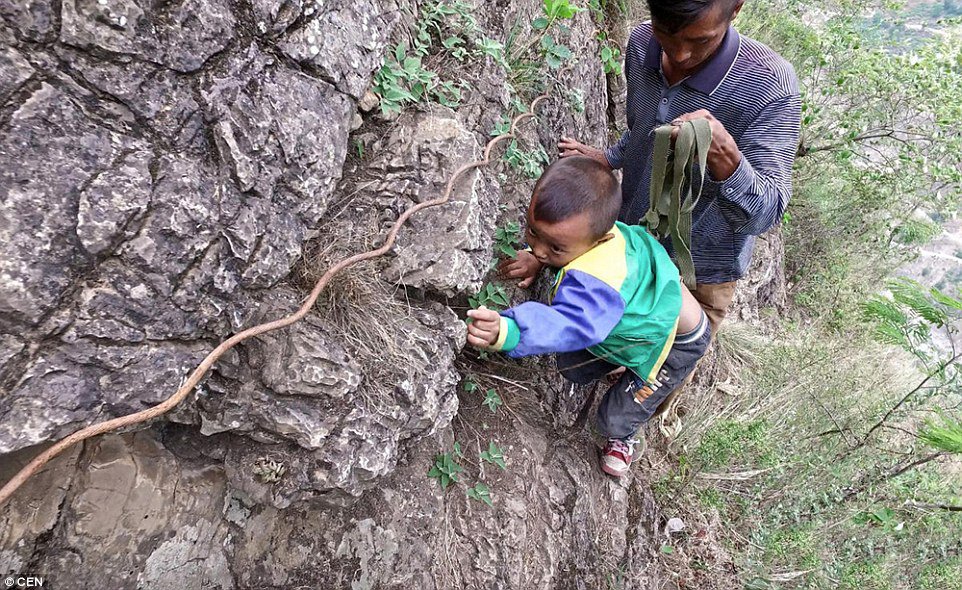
{"points": [[754, 177], [615, 155]]}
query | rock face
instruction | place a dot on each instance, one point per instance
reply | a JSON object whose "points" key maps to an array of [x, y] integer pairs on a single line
{"points": [[174, 172]]}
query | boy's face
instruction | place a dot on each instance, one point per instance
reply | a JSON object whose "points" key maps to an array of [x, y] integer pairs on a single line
{"points": [[557, 244]]}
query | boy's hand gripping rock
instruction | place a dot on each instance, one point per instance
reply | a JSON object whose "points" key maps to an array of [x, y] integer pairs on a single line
{"points": [[524, 266], [484, 330]]}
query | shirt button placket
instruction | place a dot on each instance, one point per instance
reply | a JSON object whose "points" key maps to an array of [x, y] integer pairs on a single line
{"points": [[663, 107]]}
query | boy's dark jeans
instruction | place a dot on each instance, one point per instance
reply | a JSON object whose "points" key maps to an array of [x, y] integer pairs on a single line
{"points": [[631, 401]]}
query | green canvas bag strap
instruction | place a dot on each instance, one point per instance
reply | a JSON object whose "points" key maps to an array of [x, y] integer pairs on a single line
{"points": [[674, 190], [661, 181], [679, 226], [702, 130]]}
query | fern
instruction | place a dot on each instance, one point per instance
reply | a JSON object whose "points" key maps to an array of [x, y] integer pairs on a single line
{"points": [[884, 311], [914, 296], [950, 302], [945, 437], [888, 334]]}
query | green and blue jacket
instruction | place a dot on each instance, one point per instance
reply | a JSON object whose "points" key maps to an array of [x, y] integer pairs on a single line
{"points": [[620, 300]]}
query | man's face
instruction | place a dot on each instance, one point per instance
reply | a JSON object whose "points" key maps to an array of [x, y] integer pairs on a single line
{"points": [[687, 49]]}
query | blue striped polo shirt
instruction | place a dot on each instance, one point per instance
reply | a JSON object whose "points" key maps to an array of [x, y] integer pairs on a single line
{"points": [[753, 92]]}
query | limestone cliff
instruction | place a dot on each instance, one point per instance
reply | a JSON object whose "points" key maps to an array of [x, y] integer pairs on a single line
{"points": [[172, 172]]}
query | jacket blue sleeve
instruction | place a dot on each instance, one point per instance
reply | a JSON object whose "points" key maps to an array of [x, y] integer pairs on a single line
{"points": [[583, 312]]}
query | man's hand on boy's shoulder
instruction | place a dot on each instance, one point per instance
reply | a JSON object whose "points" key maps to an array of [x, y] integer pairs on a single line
{"points": [[572, 147], [524, 266], [485, 327]]}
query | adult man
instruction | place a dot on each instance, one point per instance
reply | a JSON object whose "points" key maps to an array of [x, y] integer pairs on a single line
{"points": [[689, 62]]}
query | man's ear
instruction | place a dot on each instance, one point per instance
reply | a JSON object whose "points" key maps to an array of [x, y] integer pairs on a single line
{"points": [[737, 9]]}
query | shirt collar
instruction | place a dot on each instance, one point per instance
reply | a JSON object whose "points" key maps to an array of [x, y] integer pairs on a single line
{"points": [[713, 73]]}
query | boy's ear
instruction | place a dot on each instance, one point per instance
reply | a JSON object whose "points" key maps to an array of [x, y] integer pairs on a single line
{"points": [[604, 238]]}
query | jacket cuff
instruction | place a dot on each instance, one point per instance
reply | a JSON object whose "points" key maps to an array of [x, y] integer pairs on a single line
{"points": [[508, 336]]}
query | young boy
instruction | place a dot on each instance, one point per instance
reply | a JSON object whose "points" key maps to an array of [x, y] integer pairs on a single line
{"points": [[617, 302]]}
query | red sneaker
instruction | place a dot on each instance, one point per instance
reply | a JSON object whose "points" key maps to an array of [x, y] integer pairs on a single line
{"points": [[616, 458]]}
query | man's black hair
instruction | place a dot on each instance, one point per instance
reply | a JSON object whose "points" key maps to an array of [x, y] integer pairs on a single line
{"points": [[674, 15], [576, 185]]}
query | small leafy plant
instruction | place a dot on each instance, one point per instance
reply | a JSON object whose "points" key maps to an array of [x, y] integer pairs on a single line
{"points": [[611, 58], [555, 10], [555, 54], [492, 400], [506, 237], [470, 384], [527, 72], [492, 296], [481, 493], [448, 471], [528, 163], [456, 46], [445, 469], [502, 127], [494, 455], [493, 49], [403, 80]]}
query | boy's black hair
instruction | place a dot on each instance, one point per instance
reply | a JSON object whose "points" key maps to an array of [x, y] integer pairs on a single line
{"points": [[675, 15], [576, 185]]}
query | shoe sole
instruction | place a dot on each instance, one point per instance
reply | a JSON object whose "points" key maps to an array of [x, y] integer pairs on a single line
{"points": [[612, 471]]}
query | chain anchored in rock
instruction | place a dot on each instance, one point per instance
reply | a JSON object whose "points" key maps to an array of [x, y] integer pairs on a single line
{"points": [[195, 377]]}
